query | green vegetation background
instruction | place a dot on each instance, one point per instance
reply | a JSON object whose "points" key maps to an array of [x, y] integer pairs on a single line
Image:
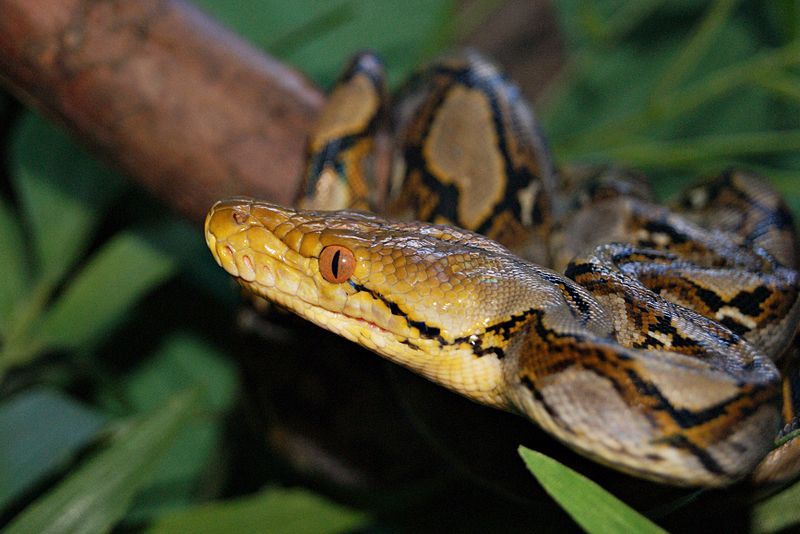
{"points": [[118, 380]]}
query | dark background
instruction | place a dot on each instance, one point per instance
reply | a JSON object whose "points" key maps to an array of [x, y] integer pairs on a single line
{"points": [[134, 392]]}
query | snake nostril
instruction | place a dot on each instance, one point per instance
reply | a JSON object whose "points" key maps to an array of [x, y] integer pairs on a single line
{"points": [[239, 217]]}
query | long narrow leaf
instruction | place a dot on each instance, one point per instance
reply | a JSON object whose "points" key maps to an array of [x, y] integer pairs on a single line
{"points": [[47, 428], [696, 46], [182, 360], [97, 495], [274, 510], [14, 277], [592, 507], [778, 513], [113, 281], [62, 191]]}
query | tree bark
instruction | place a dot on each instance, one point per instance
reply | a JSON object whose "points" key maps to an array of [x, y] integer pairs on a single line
{"points": [[178, 103]]}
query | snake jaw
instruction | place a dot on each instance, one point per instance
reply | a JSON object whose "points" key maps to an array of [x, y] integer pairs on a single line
{"points": [[403, 300], [254, 243]]}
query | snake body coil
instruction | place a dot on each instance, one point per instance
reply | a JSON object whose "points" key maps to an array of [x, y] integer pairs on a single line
{"points": [[652, 353]]}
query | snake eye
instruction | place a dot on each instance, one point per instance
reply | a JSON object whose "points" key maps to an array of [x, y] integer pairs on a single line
{"points": [[336, 264]]}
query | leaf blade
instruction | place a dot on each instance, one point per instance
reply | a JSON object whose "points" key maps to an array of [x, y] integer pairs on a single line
{"points": [[62, 192], [47, 427], [778, 513], [274, 510], [592, 507], [14, 277], [98, 493], [113, 280], [183, 360]]}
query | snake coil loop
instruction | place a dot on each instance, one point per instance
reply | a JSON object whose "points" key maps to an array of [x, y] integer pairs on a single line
{"points": [[653, 352]]}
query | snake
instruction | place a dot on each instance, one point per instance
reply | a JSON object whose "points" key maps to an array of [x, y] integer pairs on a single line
{"points": [[657, 340]]}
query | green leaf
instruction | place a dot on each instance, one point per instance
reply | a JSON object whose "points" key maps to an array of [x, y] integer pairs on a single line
{"points": [[14, 276], [274, 510], [592, 507], [778, 513], [114, 279], [322, 50], [62, 190], [183, 360], [96, 496], [48, 428]]}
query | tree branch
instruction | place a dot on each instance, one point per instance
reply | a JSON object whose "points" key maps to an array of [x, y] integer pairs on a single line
{"points": [[178, 103]]}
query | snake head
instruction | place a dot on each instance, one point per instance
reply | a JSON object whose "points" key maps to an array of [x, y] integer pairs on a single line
{"points": [[426, 296]]}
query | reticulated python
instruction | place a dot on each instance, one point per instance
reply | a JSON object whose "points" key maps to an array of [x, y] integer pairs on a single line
{"points": [[653, 351]]}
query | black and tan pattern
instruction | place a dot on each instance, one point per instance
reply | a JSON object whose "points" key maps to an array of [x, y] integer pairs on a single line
{"points": [[652, 353], [494, 176], [342, 171]]}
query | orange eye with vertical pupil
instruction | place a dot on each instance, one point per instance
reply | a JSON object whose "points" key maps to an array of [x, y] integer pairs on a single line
{"points": [[336, 264]]}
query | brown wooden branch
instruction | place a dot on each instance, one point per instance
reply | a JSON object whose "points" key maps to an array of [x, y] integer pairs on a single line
{"points": [[178, 103]]}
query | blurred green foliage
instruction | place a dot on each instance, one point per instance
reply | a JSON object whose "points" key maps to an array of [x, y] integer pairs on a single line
{"points": [[275, 510], [115, 395], [680, 89]]}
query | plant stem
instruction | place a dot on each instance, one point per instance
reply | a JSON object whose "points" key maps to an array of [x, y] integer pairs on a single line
{"points": [[683, 153], [19, 346], [698, 45], [615, 131], [786, 86]]}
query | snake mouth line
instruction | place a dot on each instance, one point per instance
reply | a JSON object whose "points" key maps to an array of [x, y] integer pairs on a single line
{"points": [[360, 320], [349, 325], [304, 307]]}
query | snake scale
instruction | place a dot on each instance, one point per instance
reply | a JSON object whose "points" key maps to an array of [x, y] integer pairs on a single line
{"points": [[648, 345]]}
